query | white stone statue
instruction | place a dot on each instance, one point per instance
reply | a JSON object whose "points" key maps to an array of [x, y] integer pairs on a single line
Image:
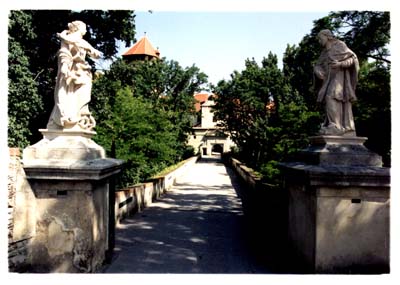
{"points": [[74, 81], [337, 68]]}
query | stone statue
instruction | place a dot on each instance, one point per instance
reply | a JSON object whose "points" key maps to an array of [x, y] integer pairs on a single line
{"points": [[337, 68], [74, 81]]}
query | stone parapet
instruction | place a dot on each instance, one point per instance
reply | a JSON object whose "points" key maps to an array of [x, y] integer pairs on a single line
{"points": [[135, 198], [334, 175], [338, 150], [265, 212], [74, 221], [338, 207], [21, 213], [63, 147], [96, 169], [73, 186]]}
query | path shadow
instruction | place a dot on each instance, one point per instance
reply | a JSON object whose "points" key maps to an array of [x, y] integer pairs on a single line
{"points": [[265, 223], [214, 159], [192, 229]]}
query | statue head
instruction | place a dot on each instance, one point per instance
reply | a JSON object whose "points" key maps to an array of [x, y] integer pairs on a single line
{"points": [[324, 36], [77, 26]]}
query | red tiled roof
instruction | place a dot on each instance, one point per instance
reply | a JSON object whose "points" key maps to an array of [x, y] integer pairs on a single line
{"points": [[142, 47], [200, 99]]}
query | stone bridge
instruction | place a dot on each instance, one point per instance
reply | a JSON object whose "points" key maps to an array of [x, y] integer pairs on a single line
{"points": [[198, 226], [204, 217]]}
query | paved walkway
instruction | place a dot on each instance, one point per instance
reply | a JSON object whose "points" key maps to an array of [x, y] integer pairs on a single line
{"points": [[196, 227]]}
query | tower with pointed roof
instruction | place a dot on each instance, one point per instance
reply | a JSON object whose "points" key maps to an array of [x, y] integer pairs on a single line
{"points": [[142, 50]]}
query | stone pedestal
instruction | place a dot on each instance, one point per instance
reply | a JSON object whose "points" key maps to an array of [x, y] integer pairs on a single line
{"points": [[73, 184], [339, 197]]}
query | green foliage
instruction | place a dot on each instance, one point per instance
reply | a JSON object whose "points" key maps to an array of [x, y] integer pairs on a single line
{"points": [[158, 95], [24, 102], [367, 33], [270, 171], [265, 138], [32, 39], [264, 135], [139, 133], [372, 111]]}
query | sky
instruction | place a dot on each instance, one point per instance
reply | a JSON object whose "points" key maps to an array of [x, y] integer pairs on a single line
{"points": [[220, 42]]}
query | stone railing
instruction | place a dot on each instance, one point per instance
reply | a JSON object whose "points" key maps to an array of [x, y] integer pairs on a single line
{"points": [[21, 213], [265, 211], [133, 199], [22, 206], [247, 174]]}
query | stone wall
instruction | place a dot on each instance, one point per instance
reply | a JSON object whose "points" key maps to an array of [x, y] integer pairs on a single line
{"points": [[135, 198], [338, 207], [24, 208], [265, 211], [21, 213], [339, 222]]}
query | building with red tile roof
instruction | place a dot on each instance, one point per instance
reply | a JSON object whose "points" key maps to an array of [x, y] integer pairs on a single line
{"points": [[207, 138], [200, 99], [142, 50]]}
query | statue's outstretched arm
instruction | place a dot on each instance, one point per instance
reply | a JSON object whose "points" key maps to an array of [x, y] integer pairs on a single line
{"points": [[76, 39]]}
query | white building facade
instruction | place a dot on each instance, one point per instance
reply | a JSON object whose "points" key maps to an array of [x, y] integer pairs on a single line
{"points": [[206, 137]]}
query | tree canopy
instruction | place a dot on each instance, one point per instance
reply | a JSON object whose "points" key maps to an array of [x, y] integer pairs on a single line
{"points": [[267, 119], [144, 111], [367, 33], [24, 102], [33, 47], [144, 108], [265, 136]]}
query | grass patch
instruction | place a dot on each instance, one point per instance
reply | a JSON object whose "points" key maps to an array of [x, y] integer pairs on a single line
{"points": [[169, 169]]}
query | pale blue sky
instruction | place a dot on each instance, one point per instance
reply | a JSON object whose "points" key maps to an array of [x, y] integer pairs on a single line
{"points": [[219, 42]]}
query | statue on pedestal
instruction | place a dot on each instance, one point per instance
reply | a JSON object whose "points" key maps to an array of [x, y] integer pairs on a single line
{"points": [[74, 81], [337, 72], [67, 138]]}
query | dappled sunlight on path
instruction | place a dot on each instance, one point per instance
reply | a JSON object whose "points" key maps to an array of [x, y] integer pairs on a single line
{"points": [[196, 227]]}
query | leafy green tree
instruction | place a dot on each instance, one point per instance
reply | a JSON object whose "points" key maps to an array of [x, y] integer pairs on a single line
{"points": [[34, 31], [267, 120], [163, 83], [139, 133], [373, 110], [367, 33], [24, 102]]}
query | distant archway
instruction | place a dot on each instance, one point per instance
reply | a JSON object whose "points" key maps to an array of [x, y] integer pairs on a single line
{"points": [[218, 148]]}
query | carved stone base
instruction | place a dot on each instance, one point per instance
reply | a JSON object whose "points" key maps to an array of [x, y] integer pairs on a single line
{"points": [[339, 150], [338, 207], [62, 147], [74, 227], [73, 184]]}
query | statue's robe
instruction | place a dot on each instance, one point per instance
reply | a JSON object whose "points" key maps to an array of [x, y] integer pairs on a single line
{"points": [[338, 87], [72, 94]]}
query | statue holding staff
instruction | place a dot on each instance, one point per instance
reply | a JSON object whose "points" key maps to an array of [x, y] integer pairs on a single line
{"points": [[337, 69]]}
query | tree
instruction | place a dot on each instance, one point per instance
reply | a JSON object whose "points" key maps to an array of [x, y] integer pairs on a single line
{"points": [[267, 120], [367, 33], [24, 102], [139, 133], [143, 110], [164, 83], [34, 31]]}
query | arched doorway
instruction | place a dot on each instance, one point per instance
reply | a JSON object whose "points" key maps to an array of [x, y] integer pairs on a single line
{"points": [[217, 148]]}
